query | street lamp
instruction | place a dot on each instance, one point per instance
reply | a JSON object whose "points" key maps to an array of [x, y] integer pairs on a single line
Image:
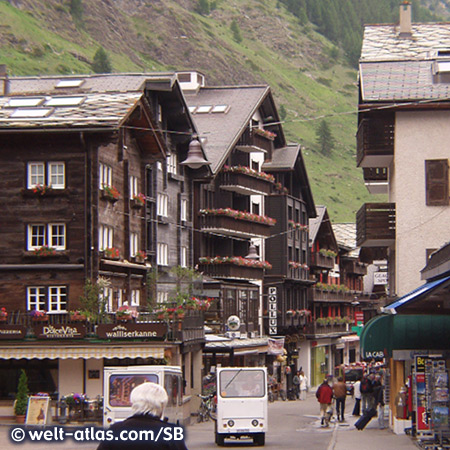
{"points": [[195, 159]]}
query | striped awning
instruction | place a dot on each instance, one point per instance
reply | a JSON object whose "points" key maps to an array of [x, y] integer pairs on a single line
{"points": [[77, 352]]}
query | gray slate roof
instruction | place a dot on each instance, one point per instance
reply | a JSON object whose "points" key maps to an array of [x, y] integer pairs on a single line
{"points": [[394, 68], [220, 131], [346, 238], [283, 158], [314, 223], [107, 99]]}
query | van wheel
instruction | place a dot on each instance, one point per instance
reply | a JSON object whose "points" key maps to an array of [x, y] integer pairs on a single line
{"points": [[220, 440], [259, 439]]}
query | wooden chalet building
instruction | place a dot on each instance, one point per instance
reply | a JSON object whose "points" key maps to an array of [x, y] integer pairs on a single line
{"points": [[85, 161]]}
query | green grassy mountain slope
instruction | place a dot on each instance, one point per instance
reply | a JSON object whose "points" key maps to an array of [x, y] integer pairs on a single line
{"points": [[308, 74]]}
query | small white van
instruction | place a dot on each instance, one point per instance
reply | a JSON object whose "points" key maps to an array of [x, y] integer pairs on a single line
{"points": [[118, 382], [241, 404]]}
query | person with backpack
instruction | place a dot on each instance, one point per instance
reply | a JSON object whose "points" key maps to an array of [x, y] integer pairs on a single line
{"points": [[324, 395], [366, 388]]}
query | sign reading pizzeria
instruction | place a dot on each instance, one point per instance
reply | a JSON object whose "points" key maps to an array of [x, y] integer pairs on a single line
{"points": [[131, 330], [59, 331], [12, 332]]}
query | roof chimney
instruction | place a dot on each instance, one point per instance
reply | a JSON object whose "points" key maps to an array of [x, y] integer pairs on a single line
{"points": [[405, 19], [4, 81]]}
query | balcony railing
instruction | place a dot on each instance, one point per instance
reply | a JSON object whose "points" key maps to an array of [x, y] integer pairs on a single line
{"points": [[322, 261], [324, 295], [376, 179], [375, 225], [375, 142], [251, 141], [234, 271], [245, 184], [314, 328], [297, 273], [355, 267], [231, 226], [22, 325]]}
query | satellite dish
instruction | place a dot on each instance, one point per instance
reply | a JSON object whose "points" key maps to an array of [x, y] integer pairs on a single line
{"points": [[233, 323]]}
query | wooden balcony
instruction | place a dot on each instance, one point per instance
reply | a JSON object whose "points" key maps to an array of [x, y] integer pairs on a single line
{"points": [[231, 226], [232, 271], [332, 296], [354, 267], [315, 329], [375, 142], [322, 261], [375, 225], [299, 274], [251, 141], [245, 184], [376, 179]]}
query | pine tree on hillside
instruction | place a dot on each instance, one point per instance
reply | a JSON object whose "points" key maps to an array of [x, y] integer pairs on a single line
{"points": [[325, 138], [236, 31], [101, 62]]}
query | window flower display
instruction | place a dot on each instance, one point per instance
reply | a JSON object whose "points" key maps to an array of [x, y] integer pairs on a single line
{"points": [[125, 313], [111, 193], [139, 199], [3, 315], [41, 189], [111, 253], [39, 316], [235, 214], [266, 133], [297, 225], [297, 265], [44, 250]]}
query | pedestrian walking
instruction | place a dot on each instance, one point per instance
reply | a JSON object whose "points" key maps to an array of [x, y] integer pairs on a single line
{"points": [[296, 383], [148, 401], [366, 394], [378, 393], [303, 385], [357, 396], [324, 395], [340, 393]]}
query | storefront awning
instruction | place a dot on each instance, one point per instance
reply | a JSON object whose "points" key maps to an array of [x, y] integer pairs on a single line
{"points": [[76, 352], [415, 295], [383, 334]]}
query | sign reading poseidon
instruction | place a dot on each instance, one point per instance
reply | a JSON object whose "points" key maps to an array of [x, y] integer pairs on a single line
{"points": [[59, 331]]}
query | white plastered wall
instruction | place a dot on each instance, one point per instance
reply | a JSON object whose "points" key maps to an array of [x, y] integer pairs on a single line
{"points": [[418, 136]]}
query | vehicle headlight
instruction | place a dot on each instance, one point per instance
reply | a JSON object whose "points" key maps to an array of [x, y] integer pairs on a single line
{"points": [[255, 422], [230, 423]]}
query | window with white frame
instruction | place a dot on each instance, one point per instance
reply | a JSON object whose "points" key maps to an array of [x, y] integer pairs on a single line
{"points": [[105, 175], [134, 244], [162, 297], [47, 298], [120, 296], [184, 209], [172, 163], [133, 186], [159, 165], [135, 297], [162, 206], [184, 257], [48, 174], [105, 237], [163, 254], [106, 297], [52, 235]]}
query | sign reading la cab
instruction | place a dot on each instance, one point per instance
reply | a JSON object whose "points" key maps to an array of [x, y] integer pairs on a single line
{"points": [[60, 331], [131, 330]]}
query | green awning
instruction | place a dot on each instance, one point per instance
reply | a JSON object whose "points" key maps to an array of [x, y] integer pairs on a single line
{"points": [[383, 334]]}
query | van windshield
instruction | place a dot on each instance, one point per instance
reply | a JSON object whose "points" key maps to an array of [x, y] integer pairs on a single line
{"points": [[353, 374], [120, 387], [242, 383]]}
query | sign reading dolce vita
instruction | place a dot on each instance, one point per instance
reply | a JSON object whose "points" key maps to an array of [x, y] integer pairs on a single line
{"points": [[59, 331], [132, 330]]}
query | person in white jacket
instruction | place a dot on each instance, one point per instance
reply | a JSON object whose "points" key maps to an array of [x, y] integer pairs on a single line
{"points": [[357, 395], [303, 385]]}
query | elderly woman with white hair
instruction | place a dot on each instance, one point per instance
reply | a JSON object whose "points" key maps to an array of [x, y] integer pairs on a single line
{"points": [[144, 429]]}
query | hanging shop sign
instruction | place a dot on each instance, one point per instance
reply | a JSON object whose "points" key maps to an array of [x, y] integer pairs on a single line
{"points": [[72, 331], [12, 332], [132, 330]]}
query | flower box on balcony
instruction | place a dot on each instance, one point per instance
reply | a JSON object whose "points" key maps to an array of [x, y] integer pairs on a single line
{"points": [[137, 201], [246, 181], [233, 267], [111, 253], [237, 223], [44, 251]]}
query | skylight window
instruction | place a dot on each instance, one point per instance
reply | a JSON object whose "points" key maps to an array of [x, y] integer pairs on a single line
{"points": [[31, 113], [192, 109], [69, 83], [443, 66], [204, 109], [220, 109], [64, 101], [24, 102]]}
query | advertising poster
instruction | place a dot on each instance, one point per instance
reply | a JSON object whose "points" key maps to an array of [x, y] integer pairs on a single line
{"points": [[421, 396], [37, 411]]}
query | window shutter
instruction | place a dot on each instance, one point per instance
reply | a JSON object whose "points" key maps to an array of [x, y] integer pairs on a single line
{"points": [[436, 172]]}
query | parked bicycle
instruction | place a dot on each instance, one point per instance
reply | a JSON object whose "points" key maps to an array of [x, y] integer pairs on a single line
{"points": [[207, 408]]}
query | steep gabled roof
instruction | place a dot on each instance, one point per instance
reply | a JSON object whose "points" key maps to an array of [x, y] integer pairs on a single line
{"points": [[321, 227], [221, 131], [346, 238]]}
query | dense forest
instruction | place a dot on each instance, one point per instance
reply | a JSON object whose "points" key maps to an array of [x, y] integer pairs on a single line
{"points": [[342, 21]]}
